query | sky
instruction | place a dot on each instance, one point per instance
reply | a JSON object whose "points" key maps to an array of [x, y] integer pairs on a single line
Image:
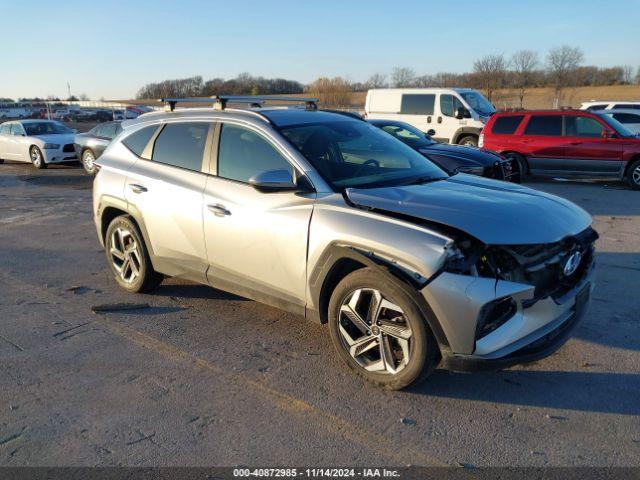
{"points": [[110, 48]]}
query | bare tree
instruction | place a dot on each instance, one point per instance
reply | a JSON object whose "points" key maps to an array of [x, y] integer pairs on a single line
{"points": [[562, 63], [377, 80], [638, 76], [491, 71], [403, 77], [627, 74], [332, 92], [524, 65]]}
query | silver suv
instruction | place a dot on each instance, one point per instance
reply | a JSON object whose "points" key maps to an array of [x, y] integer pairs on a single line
{"points": [[321, 214]]}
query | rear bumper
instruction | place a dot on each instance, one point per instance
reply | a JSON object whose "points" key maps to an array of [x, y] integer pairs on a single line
{"points": [[535, 346]]}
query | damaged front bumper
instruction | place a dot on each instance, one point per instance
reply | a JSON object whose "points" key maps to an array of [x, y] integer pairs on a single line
{"points": [[535, 330]]}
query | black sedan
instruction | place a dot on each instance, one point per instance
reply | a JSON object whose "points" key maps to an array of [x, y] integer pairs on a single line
{"points": [[91, 144], [452, 158]]}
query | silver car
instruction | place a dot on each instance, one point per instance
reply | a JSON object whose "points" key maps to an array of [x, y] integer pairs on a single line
{"points": [[326, 216]]}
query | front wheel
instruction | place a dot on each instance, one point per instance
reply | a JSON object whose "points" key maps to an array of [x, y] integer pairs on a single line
{"points": [[128, 256], [521, 161], [36, 158], [379, 331], [633, 175], [469, 141], [88, 162]]}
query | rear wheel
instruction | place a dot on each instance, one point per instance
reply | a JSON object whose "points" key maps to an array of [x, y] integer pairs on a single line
{"points": [[379, 332], [633, 174], [468, 141], [128, 256], [88, 161], [36, 158]]}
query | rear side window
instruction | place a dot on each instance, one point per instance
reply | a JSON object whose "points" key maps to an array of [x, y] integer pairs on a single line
{"points": [[626, 105], [547, 125], [4, 129], [600, 106], [582, 127], [621, 117], [242, 153], [107, 131], [181, 145], [417, 104], [136, 142], [507, 125]]}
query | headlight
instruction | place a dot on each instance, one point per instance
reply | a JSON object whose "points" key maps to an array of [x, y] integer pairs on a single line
{"points": [[51, 146]]}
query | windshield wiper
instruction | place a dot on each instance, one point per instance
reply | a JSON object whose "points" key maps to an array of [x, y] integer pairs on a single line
{"points": [[423, 180]]}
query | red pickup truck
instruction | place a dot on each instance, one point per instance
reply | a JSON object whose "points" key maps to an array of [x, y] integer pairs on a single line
{"points": [[565, 142]]}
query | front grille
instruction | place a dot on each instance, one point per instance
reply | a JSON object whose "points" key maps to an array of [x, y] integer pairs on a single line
{"points": [[68, 148]]}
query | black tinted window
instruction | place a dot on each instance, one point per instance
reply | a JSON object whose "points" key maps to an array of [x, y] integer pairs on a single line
{"points": [[417, 104], [138, 140], [449, 104], [626, 105], [601, 106], [550, 125], [582, 127], [507, 125], [627, 117], [243, 153], [181, 145]]}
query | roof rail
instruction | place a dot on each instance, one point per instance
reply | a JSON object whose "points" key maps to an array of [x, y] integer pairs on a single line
{"points": [[219, 102]]}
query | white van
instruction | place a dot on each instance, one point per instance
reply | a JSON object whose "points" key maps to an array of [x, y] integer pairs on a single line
{"points": [[450, 115]]}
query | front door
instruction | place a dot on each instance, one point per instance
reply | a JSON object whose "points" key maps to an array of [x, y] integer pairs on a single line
{"points": [[586, 149], [166, 191], [446, 122], [256, 242]]}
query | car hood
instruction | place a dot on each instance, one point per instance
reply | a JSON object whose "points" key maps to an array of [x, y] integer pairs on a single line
{"points": [[494, 212], [61, 138], [470, 156]]}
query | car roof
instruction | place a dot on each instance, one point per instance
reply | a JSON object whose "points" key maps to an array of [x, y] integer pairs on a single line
{"points": [[571, 111]]}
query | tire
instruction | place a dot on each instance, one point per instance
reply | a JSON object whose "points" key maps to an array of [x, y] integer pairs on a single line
{"points": [[124, 243], [36, 158], [633, 174], [412, 349], [468, 141], [88, 159], [522, 164], [1, 161]]}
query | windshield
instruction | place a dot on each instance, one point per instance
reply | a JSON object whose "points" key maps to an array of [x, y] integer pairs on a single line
{"points": [[357, 154], [44, 128], [617, 126], [407, 134], [478, 103]]}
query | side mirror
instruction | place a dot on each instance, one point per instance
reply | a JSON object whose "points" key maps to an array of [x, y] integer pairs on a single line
{"points": [[273, 181], [431, 132], [461, 113], [606, 134]]}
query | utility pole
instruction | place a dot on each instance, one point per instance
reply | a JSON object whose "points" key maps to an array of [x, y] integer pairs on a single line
{"points": [[68, 90]]}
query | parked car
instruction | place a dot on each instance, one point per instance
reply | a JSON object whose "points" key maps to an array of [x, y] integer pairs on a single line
{"points": [[14, 112], [629, 118], [40, 142], [327, 216], [610, 105], [104, 116], [566, 142], [452, 158], [62, 114], [449, 115], [90, 145]]}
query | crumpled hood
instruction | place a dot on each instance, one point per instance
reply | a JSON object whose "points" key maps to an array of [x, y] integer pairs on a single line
{"points": [[471, 156], [59, 138], [495, 212]]}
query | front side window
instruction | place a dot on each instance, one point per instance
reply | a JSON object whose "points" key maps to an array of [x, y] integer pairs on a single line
{"points": [[449, 105], [357, 154], [507, 125], [417, 104], [243, 153], [600, 106], [16, 129], [582, 127], [409, 135], [181, 145], [544, 125]]}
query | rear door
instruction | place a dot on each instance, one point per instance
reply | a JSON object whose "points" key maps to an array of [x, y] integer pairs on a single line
{"points": [[256, 242], [542, 143], [165, 186], [17, 143], [586, 150], [5, 134]]}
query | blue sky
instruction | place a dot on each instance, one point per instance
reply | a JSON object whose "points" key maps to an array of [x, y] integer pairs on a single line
{"points": [[110, 48]]}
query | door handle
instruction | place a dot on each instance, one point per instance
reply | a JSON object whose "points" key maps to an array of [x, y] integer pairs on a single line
{"points": [[218, 210], [137, 188], [575, 143], [439, 119], [429, 119]]}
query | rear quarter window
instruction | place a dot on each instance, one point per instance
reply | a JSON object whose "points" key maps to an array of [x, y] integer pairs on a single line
{"points": [[627, 117], [507, 125], [137, 141], [545, 125], [181, 145]]}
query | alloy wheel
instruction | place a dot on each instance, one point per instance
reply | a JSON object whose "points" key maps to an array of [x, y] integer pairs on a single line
{"points": [[88, 159], [36, 157], [125, 255], [374, 331], [636, 175]]}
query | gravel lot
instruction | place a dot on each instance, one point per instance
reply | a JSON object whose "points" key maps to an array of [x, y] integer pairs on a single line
{"points": [[206, 378]]}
